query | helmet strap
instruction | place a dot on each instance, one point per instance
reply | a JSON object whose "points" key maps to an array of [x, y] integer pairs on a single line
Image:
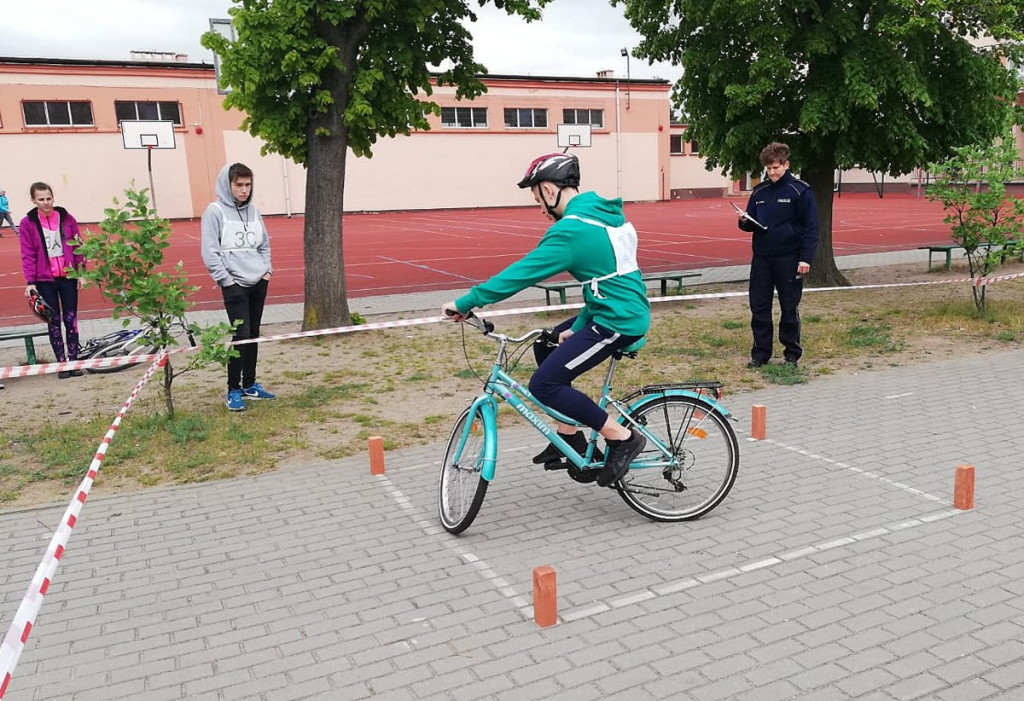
{"points": [[551, 209]]}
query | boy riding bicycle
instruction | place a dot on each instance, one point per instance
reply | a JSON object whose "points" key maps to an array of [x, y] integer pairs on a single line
{"points": [[592, 241]]}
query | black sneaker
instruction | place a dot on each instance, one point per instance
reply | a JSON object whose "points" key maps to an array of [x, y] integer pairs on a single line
{"points": [[63, 374], [755, 363], [620, 455], [551, 457]]}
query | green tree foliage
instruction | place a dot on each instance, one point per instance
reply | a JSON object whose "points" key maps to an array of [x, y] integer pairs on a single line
{"points": [[887, 85], [317, 78], [126, 263], [985, 220]]}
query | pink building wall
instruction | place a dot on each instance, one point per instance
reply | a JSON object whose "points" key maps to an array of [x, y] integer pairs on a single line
{"points": [[441, 168]]}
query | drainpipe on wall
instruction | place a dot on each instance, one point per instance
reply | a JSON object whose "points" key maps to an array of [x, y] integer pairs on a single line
{"points": [[287, 189], [618, 143]]}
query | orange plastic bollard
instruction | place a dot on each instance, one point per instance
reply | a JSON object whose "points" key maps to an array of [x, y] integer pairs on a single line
{"points": [[758, 422], [376, 455], [963, 487], [545, 595]]}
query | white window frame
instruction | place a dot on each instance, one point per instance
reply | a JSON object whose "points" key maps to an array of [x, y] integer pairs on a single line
{"points": [[474, 114], [67, 105], [159, 110], [533, 111], [571, 115], [681, 140]]}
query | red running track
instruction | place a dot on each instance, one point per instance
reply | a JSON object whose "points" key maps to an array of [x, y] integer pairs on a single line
{"points": [[408, 252]]}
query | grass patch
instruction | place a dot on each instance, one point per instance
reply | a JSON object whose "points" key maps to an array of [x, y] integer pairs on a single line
{"points": [[783, 374], [408, 386], [870, 336]]}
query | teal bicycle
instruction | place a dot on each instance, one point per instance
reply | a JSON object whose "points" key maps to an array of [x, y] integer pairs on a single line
{"points": [[687, 468]]}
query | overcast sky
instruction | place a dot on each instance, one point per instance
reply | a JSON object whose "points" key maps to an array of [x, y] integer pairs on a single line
{"points": [[576, 38]]}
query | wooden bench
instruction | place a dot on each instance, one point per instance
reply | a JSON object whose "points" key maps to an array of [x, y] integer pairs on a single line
{"points": [[560, 286], [30, 346], [946, 248]]}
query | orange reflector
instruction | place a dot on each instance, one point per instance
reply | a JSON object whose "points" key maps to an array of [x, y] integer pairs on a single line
{"points": [[697, 432]]}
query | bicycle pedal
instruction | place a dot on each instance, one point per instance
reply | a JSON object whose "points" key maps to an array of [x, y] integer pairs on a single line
{"points": [[556, 465]]}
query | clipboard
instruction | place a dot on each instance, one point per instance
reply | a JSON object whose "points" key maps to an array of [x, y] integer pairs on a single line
{"points": [[743, 213]]}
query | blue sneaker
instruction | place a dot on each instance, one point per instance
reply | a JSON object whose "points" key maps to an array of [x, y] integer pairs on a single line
{"points": [[234, 400], [257, 392]]}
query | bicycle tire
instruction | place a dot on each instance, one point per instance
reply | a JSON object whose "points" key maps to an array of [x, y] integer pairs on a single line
{"points": [[135, 346], [707, 451], [462, 488]]}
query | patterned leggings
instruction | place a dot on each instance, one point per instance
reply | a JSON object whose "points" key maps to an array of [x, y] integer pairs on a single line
{"points": [[62, 295]]}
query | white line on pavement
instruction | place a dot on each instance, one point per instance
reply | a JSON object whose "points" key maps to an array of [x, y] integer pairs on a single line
{"points": [[594, 608], [852, 468], [480, 565]]}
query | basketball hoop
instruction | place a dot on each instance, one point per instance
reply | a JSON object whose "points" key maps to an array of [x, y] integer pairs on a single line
{"points": [[148, 134]]}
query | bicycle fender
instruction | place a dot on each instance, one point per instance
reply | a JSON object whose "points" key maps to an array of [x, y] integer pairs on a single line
{"points": [[488, 407], [681, 393]]}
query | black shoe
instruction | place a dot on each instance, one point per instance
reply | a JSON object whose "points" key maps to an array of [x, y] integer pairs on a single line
{"points": [[63, 374], [620, 455], [551, 457], [76, 373], [755, 363], [549, 454]]}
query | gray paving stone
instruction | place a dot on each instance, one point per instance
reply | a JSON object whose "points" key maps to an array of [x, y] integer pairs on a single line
{"points": [[230, 590]]}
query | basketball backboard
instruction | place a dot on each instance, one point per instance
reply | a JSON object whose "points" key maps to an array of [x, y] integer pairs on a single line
{"points": [[573, 135], [145, 133], [225, 29]]}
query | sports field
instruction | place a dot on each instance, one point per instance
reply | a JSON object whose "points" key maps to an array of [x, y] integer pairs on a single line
{"points": [[408, 252]]}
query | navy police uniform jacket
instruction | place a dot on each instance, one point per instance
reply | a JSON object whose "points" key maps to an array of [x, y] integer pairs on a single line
{"points": [[787, 208]]}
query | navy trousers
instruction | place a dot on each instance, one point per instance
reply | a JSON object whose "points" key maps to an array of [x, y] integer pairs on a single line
{"points": [[558, 366], [768, 275]]}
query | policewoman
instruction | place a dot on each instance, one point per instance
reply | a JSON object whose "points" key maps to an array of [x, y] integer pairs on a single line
{"points": [[783, 218]]}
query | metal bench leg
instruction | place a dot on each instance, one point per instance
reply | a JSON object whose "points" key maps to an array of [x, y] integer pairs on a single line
{"points": [[561, 296], [949, 258], [30, 350], [664, 287]]}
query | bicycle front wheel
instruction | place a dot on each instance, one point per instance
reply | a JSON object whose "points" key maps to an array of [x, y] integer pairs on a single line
{"points": [[462, 487], [704, 464], [136, 346]]}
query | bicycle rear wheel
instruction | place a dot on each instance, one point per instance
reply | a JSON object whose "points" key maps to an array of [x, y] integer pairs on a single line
{"points": [[462, 486], [135, 346], [706, 460]]}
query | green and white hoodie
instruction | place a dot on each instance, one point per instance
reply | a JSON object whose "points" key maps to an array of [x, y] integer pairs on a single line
{"points": [[593, 243]]}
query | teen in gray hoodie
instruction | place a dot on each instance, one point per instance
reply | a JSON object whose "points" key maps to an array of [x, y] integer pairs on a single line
{"points": [[236, 251]]}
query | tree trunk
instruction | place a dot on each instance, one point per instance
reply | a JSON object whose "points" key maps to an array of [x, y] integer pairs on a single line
{"points": [[326, 303], [821, 177], [168, 378]]}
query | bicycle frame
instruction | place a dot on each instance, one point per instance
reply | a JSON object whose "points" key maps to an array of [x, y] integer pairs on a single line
{"points": [[500, 386]]}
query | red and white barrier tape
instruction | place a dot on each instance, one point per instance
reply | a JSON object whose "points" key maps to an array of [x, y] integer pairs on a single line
{"points": [[14, 642], [976, 282], [46, 368]]}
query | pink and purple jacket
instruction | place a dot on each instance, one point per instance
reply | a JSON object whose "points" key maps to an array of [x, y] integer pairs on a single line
{"points": [[34, 261]]}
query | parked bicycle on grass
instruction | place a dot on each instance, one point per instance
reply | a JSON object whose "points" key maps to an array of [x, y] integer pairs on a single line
{"points": [[135, 341]]}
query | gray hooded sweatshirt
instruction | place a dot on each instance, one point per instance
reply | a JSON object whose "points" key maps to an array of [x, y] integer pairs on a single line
{"points": [[236, 248]]}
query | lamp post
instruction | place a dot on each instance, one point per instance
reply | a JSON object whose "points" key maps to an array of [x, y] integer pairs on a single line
{"points": [[625, 52]]}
